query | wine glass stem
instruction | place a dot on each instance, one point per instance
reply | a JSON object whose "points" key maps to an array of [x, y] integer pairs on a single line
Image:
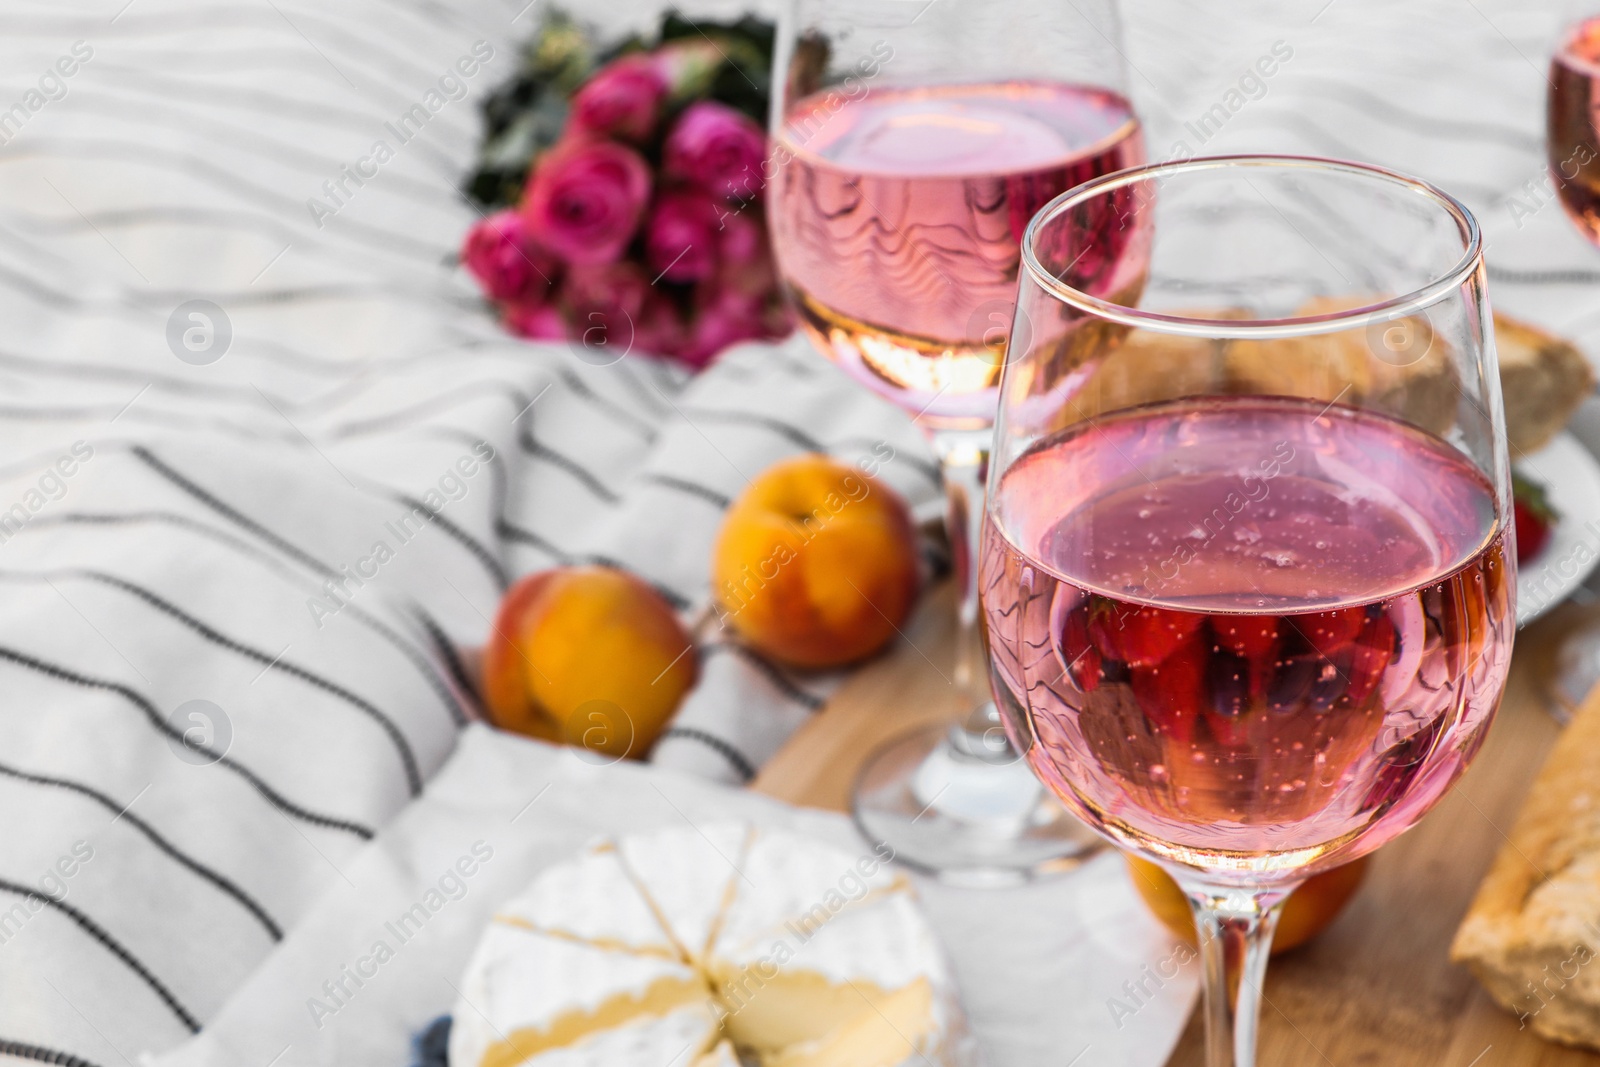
{"points": [[963, 460], [1235, 928]]}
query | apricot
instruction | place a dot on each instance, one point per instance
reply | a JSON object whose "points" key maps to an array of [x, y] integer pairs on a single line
{"points": [[588, 656], [1308, 911], [815, 564]]}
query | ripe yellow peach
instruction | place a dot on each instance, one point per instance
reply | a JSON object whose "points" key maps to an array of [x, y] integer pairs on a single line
{"points": [[1308, 911], [816, 563], [588, 656]]}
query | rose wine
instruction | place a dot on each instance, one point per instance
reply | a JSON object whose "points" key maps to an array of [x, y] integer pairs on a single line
{"points": [[1253, 635], [897, 218], [1573, 139]]}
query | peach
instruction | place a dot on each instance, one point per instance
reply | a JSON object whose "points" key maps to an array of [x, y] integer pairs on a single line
{"points": [[1308, 911], [816, 563], [589, 656]]}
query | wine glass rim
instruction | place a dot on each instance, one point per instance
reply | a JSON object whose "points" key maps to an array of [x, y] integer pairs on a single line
{"points": [[1297, 326]]}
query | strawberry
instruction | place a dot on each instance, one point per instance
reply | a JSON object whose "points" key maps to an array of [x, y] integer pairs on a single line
{"points": [[1140, 636], [1173, 692], [1080, 659], [1255, 637], [1328, 632], [1371, 655], [1532, 516]]}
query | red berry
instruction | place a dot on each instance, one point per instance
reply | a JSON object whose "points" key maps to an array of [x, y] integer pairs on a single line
{"points": [[1531, 515], [1371, 655], [1328, 632], [1255, 637], [1140, 636], [1173, 693], [1079, 658], [1533, 531]]}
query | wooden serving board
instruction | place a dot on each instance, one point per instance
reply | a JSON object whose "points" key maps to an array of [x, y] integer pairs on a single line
{"points": [[1377, 987]]}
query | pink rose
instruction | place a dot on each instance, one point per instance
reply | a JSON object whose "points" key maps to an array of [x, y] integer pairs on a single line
{"points": [[718, 148], [622, 99], [722, 319], [538, 322], [661, 331], [681, 238], [605, 304], [585, 199], [743, 240], [501, 253]]}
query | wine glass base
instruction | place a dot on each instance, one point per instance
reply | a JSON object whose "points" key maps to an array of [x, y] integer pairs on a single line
{"points": [[962, 820]]}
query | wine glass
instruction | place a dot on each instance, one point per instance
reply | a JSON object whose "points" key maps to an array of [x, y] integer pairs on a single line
{"points": [[1572, 144], [913, 140], [1247, 568]]}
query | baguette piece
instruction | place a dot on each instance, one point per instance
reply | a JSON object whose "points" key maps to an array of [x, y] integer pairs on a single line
{"points": [[1533, 931], [1401, 368], [1544, 379]]}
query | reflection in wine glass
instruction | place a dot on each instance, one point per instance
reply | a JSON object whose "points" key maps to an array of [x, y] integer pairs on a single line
{"points": [[1572, 145]]}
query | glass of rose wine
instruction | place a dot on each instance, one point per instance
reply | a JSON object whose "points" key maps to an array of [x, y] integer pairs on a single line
{"points": [[1246, 566], [1572, 145], [913, 141]]}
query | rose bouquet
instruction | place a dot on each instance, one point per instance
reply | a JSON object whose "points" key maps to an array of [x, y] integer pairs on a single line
{"points": [[622, 192]]}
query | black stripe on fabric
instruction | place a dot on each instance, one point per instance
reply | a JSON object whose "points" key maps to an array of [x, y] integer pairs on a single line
{"points": [[706, 493], [571, 466], [583, 389], [928, 468], [1388, 111], [153, 716], [231, 513], [768, 670], [39, 1054], [735, 758], [793, 434], [446, 651], [111, 945], [520, 535], [121, 813], [496, 569], [212, 175], [386, 723], [406, 417], [244, 548], [671, 596]]}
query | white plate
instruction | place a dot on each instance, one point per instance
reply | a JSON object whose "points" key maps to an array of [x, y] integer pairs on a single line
{"points": [[1571, 477]]}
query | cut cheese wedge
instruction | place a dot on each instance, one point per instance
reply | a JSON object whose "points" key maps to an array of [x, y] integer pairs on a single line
{"points": [[592, 899], [762, 949]]}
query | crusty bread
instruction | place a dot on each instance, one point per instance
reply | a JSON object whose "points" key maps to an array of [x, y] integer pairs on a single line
{"points": [[1532, 934], [1401, 368], [1544, 379]]}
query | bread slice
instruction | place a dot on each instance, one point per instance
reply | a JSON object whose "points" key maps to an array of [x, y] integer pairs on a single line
{"points": [[1533, 931], [1544, 380]]}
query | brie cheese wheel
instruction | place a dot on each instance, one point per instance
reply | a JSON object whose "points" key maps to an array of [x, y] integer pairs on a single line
{"points": [[722, 946]]}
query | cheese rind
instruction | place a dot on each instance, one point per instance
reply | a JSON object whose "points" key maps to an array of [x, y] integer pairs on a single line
{"points": [[673, 948]]}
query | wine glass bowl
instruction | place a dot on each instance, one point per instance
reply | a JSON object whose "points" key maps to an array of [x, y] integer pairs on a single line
{"points": [[1572, 118], [1247, 569], [912, 142]]}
